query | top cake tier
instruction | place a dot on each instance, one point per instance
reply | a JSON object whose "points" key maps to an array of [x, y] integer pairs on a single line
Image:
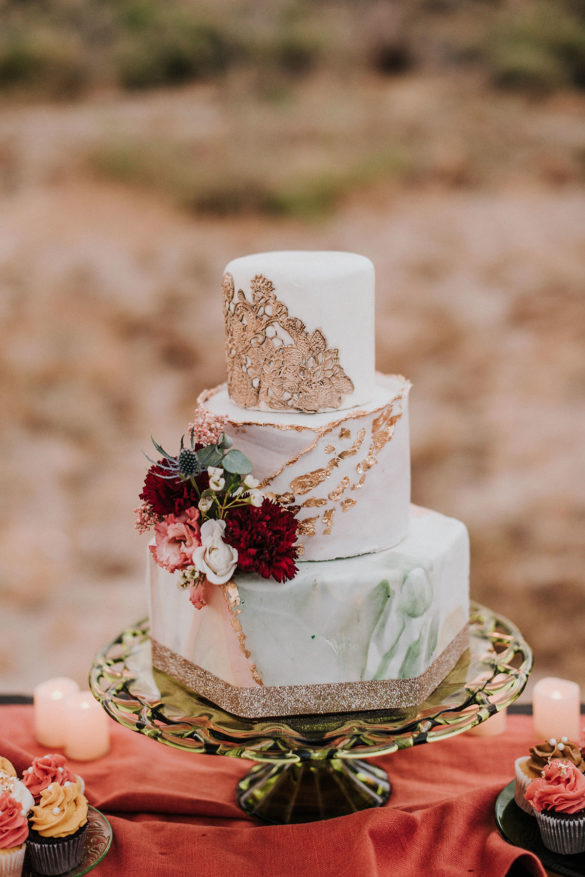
{"points": [[300, 330]]}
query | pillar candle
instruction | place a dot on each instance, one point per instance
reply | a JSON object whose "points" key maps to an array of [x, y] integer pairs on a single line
{"points": [[496, 724], [87, 735], [556, 708], [50, 700]]}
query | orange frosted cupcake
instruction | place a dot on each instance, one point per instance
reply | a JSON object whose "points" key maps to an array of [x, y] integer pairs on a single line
{"points": [[58, 824], [13, 835], [6, 767]]}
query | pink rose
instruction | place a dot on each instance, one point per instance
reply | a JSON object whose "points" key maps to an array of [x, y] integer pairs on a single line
{"points": [[176, 536]]}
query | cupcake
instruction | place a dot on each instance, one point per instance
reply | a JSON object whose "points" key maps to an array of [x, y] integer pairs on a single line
{"points": [[46, 770], [13, 835], [530, 767], [58, 824], [558, 799], [6, 767], [17, 790]]}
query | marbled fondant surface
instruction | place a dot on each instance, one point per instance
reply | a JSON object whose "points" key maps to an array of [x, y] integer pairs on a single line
{"points": [[382, 616]]}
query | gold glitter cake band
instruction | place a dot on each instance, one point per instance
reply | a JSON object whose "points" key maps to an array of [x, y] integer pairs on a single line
{"points": [[294, 700]]}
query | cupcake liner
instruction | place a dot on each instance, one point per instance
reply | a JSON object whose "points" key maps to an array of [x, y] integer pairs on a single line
{"points": [[522, 783], [562, 833], [11, 862], [56, 856]]}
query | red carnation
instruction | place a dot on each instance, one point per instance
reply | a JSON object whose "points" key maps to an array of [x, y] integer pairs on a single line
{"points": [[170, 496], [264, 537]]}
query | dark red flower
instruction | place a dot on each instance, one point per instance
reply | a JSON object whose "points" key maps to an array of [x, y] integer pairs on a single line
{"points": [[170, 496], [264, 537]]}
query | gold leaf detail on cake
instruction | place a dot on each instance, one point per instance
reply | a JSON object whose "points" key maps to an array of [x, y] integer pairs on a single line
{"points": [[330, 449], [383, 428], [338, 491], [307, 527], [232, 598], [272, 359], [348, 503], [283, 498], [351, 452], [344, 432], [313, 502], [328, 521]]}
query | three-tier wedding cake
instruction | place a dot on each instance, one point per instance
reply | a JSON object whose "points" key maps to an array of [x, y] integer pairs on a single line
{"points": [[369, 608]]}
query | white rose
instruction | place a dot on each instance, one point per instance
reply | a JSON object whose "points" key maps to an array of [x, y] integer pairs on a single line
{"points": [[214, 558], [216, 479]]}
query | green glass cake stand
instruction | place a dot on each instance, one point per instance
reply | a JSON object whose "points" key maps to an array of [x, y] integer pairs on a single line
{"points": [[312, 767]]}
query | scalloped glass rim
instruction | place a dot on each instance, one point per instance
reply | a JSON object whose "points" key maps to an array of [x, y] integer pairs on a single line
{"points": [[489, 676]]}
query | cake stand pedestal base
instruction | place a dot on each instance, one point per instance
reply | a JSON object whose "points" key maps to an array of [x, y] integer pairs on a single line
{"points": [[311, 790]]}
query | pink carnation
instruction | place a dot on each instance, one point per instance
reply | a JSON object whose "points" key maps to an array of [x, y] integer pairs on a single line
{"points": [[176, 536]]}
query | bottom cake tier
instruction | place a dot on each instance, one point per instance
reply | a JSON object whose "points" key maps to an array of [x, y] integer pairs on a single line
{"points": [[362, 633]]}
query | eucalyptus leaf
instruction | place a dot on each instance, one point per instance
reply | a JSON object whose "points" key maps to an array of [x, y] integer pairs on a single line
{"points": [[225, 442], [236, 462], [209, 456]]}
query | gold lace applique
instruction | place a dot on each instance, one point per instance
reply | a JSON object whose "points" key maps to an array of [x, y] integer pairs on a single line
{"points": [[272, 359]]}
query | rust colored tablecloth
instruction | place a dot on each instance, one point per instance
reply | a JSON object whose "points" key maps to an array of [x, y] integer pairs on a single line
{"points": [[174, 814]]}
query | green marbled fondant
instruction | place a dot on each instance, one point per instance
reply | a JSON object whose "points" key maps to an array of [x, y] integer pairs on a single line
{"points": [[376, 616]]}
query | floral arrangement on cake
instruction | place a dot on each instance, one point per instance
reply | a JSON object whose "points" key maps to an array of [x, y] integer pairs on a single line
{"points": [[209, 517]]}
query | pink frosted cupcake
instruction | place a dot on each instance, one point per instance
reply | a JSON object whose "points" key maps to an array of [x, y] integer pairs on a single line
{"points": [[10, 783], [13, 835], [530, 767], [58, 825], [46, 770], [558, 799]]}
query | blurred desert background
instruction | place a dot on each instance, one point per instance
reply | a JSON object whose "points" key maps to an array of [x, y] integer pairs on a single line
{"points": [[144, 144]]}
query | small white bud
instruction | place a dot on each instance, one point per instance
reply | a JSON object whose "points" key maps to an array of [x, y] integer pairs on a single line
{"points": [[256, 498], [250, 481], [205, 503]]}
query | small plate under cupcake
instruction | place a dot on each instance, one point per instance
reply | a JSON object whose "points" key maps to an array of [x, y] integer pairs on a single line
{"points": [[520, 830]]}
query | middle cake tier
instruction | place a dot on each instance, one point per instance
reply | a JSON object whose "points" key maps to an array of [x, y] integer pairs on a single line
{"points": [[346, 474]]}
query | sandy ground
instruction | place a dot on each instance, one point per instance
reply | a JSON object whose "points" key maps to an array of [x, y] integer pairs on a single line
{"points": [[111, 325]]}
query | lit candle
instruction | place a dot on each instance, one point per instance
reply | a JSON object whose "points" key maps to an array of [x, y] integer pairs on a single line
{"points": [[496, 724], [50, 699], [87, 735], [556, 709]]}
